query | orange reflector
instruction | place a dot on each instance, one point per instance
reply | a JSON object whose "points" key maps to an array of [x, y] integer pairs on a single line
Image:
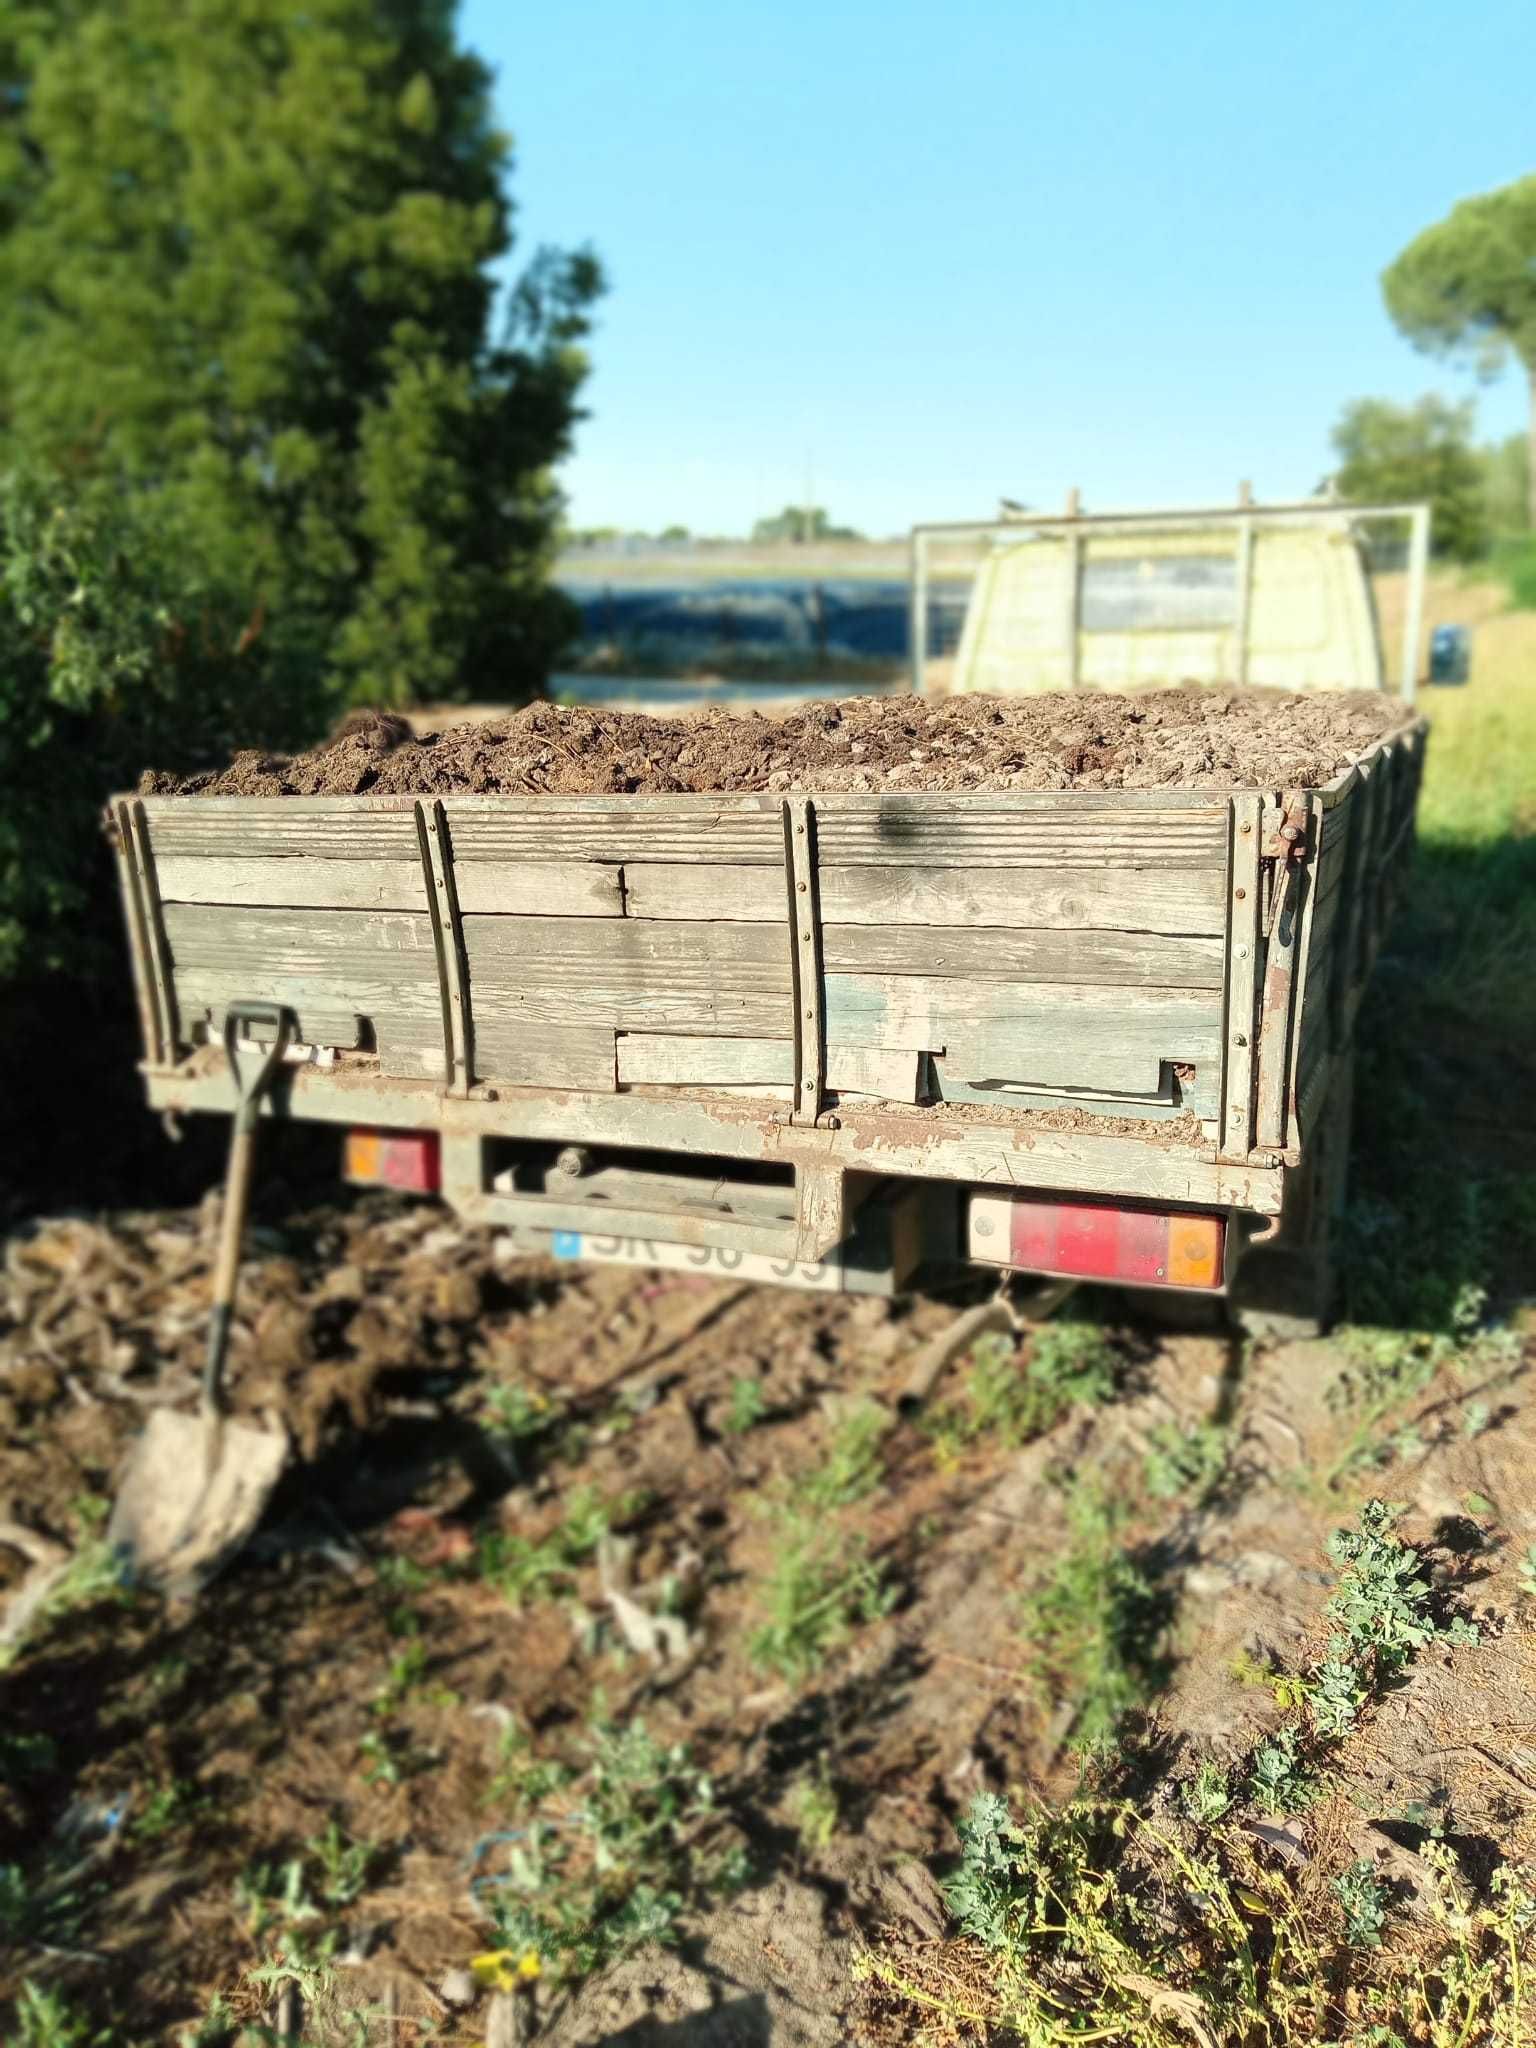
{"points": [[1194, 1251], [408, 1160]]}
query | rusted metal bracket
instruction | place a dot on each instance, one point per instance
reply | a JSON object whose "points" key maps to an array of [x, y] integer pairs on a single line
{"points": [[1285, 843], [809, 1009], [448, 939]]}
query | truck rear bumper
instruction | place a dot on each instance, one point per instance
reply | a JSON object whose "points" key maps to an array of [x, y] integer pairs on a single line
{"points": [[824, 1170]]}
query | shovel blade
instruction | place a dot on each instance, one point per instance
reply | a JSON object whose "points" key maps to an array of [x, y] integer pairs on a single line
{"points": [[194, 1489]]}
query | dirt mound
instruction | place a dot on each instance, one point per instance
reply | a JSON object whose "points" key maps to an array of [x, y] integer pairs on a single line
{"points": [[1187, 738]]}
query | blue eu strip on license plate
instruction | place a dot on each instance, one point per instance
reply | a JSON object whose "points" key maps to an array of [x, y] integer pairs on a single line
{"points": [[565, 1244]]}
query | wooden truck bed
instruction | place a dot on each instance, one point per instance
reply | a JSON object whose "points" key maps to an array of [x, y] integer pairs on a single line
{"points": [[1135, 995]]}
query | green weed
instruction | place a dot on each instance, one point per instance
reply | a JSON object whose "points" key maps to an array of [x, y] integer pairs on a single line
{"points": [[814, 1807], [46, 2019], [617, 1863], [1192, 1461], [747, 1406], [171, 1805], [852, 1466], [1278, 1781], [1011, 1400], [523, 1569], [1363, 1898], [1528, 1573], [1094, 1627], [344, 1863], [1097, 1924], [821, 1586], [1207, 1795]]}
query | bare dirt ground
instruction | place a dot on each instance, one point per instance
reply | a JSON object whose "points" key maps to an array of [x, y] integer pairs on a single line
{"points": [[532, 1503], [1196, 738]]}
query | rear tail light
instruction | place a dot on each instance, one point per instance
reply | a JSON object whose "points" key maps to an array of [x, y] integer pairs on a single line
{"points": [[408, 1160], [1098, 1241]]}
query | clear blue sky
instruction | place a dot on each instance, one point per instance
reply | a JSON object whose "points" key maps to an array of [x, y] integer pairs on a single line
{"points": [[935, 254]]}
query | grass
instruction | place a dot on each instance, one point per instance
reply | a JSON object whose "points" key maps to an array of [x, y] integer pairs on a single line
{"points": [[1009, 1399], [821, 1586], [1094, 1627]]}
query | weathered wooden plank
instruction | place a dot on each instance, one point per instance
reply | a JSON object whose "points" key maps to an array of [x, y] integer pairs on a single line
{"points": [[303, 941], [696, 890], [1116, 959], [543, 888], [974, 831], [348, 992], [547, 830], [1115, 899], [1092, 1038], [1243, 943], [1041, 899], [271, 828], [293, 883], [892, 1074], [574, 1056], [678, 1061], [620, 950], [340, 1028], [686, 1000]]}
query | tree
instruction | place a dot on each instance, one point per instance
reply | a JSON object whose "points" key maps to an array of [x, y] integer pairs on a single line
{"points": [[801, 523], [1467, 286], [1506, 467], [1389, 453], [247, 270]]}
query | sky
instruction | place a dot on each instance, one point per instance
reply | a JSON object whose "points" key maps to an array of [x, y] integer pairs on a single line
{"points": [[910, 259]]}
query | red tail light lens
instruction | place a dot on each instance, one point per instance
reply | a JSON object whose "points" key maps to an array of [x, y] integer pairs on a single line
{"points": [[1098, 1241]]}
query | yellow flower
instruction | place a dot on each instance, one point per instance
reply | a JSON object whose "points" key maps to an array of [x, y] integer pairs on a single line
{"points": [[502, 1969]]}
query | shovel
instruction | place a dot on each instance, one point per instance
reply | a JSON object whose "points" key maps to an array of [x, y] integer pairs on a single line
{"points": [[196, 1485]]}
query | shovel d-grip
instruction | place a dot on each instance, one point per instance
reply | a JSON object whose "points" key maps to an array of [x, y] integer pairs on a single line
{"points": [[256, 1035]]}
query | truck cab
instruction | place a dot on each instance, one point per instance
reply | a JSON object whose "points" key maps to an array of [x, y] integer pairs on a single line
{"points": [[1275, 595]]}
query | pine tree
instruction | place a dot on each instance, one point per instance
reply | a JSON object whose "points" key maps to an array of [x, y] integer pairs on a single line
{"points": [[248, 272]]}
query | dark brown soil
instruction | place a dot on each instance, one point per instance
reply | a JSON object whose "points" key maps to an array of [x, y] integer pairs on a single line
{"points": [[1186, 739], [229, 1736]]}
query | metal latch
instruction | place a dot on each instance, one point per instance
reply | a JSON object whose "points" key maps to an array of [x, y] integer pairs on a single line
{"points": [[1285, 843]]}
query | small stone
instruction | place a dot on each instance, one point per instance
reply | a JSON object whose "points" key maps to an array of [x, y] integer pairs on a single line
{"points": [[458, 1987]]}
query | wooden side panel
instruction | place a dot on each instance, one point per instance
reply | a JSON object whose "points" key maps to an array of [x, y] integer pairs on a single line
{"points": [[751, 1063], [1125, 900]]}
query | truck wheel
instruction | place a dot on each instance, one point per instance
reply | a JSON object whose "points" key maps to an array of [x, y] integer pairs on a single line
{"points": [[1287, 1289]]}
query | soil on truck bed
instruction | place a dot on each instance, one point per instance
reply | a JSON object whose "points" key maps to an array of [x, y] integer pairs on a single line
{"points": [[1191, 738]]}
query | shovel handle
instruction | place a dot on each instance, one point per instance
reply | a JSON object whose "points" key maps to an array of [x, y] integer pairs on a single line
{"points": [[253, 1077]]}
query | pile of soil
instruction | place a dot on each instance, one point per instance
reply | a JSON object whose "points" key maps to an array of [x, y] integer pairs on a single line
{"points": [[1190, 738]]}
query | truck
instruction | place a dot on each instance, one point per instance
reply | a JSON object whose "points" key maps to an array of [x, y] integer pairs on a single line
{"points": [[837, 1041], [1279, 595]]}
